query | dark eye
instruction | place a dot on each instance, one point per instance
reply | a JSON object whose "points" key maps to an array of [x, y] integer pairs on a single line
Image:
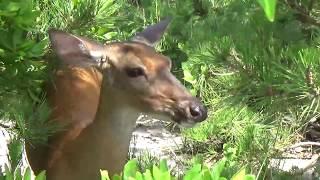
{"points": [[135, 72]]}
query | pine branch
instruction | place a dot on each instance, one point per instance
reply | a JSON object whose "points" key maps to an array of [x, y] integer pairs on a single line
{"points": [[310, 6], [303, 15]]}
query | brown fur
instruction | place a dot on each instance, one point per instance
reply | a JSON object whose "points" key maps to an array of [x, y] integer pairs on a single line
{"points": [[72, 90], [99, 108]]}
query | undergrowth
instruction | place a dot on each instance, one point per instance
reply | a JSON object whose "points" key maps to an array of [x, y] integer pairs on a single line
{"points": [[259, 79]]}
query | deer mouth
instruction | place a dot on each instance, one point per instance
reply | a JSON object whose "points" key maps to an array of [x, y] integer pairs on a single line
{"points": [[187, 116], [186, 113]]}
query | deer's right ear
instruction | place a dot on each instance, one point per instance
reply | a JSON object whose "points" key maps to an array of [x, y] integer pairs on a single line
{"points": [[76, 51], [152, 34]]}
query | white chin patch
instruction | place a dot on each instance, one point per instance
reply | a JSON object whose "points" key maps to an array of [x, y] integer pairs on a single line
{"points": [[187, 124]]}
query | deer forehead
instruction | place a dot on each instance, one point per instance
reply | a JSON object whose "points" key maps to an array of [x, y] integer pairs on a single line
{"points": [[137, 54]]}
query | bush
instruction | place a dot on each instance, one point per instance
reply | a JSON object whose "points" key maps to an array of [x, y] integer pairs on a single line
{"points": [[257, 75]]}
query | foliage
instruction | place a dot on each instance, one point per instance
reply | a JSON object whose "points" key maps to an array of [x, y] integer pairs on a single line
{"points": [[161, 172], [21, 77], [17, 174], [258, 76], [269, 7]]}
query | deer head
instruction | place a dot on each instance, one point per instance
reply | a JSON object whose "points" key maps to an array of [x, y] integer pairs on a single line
{"points": [[135, 71]]}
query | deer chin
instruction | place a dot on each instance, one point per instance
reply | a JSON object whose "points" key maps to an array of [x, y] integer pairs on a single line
{"points": [[187, 124], [183, 121], [180, 121], [176, 116]]}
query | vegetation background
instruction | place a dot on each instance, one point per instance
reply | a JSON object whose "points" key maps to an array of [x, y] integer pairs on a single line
{"points": [[258, 73]]}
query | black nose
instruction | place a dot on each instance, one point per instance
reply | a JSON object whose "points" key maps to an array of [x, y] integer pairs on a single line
{"points": [[198, 112]]}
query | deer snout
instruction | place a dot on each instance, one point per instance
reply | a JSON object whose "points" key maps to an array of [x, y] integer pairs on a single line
{"points": [[192, 111], [197, 112]]}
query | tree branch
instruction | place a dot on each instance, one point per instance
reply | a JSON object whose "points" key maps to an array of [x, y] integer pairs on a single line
{"points": [[4, 126], [303, 15]]}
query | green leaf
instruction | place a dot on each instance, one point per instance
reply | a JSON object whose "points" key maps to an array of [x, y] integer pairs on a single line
{"points": [[218, 168], [222, 178], [18, 175], [193, 172], [156, 172], [205, 174], [188, 76], [147, 175], [104, 175], [163, 165], [27, 174], [116, 177], [239, 175], [41, 176], [110, 35], [269, 7], [139, 176], [37, 49], [250, 177], [130, 169], [9, 175]]}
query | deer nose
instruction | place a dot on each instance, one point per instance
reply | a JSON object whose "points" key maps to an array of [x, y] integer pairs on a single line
{"points": [[198, 112]]}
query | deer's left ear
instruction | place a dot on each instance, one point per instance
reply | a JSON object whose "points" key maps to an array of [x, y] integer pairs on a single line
{"points": [[75, 50], [152, 34]]}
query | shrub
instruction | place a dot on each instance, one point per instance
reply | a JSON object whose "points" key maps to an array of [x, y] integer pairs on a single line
{"points": [[161, 172]]}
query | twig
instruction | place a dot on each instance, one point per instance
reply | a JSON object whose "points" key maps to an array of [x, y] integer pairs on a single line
{"points": [[303, 15], [4, 126], [222, 74], [304, 144]]}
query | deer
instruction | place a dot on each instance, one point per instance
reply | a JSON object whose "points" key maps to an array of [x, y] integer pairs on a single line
{"points": [[98, 93]]}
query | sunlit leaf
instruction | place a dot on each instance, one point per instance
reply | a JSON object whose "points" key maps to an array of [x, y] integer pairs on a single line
{"points": [[269, 7]]}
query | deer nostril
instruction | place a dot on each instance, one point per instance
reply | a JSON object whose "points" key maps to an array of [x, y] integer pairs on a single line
{"points": [[198, 112], [195, 111]]}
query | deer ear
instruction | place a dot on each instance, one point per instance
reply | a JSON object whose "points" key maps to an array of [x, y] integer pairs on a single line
{"points": [[76, 51], [152, 34]]}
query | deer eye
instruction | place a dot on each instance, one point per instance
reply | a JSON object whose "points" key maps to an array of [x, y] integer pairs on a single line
{"points": [[135, 72]]}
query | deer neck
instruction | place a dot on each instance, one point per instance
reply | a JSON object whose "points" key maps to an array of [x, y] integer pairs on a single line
{"points": [[115, 114], [111, 131]]}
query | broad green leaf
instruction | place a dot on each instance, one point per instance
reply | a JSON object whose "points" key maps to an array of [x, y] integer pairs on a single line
{"points": [[239, 175], [147, 175], [163, 165], [139, 176], [218, 168], [27, 174], [9, 175], [110, 35], [193, 172], [41, 176], [156, 173], [11, 6], [104, 175], [130, 169], [116, 177], [222, 178], [188, 76], [249, 177], [38, 49], [205, 174], [18, 175], [269, 7]]}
